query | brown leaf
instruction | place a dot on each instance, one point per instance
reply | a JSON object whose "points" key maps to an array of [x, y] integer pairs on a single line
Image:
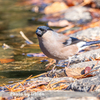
{"points": [[55, 7], [76, 73], [2, 61], [73, 71], [2, 98], [42, 87]]}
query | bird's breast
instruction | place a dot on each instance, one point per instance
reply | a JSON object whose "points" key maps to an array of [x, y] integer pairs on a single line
{"points": [[50, 49]]}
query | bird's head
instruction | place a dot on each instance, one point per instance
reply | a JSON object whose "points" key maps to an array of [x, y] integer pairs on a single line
{"points": [[42, 30]]}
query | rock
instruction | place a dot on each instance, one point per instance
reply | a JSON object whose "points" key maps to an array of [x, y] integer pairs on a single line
{"points": [[97, 3], [51, 95], [47, 79], [63, 95], [81, 57], [81, 67], [85, 84], [90, 33], [77, 14], [39, 8]]}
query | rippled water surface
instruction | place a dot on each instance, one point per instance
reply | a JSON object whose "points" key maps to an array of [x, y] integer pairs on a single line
{"points": [[14, 66]]}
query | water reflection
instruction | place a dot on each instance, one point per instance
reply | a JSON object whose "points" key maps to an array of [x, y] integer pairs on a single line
{"points": [[13, 19]]}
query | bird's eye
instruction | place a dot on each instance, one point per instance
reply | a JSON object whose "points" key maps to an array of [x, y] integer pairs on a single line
{"points": [[44, 31]]}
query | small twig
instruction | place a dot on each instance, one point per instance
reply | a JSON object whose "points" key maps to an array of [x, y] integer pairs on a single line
{"points": [[52, 61], [21, 85], [23, 45], [49, 85], [5, 46], [97, 87], [92, 88], [87, 59], [95, 64], [36, 85], [23, 35], [58, 82], [18, 90], [93, 59], [38, 75], [21, 82]]}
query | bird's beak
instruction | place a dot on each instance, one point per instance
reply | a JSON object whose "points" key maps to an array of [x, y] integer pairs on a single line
{"points": [[39, 32]]}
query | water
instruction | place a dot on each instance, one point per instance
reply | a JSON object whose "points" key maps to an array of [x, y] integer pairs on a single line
{"points": [[15, 17]]}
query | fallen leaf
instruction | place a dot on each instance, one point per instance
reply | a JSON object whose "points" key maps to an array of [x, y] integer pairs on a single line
{"points": [[73, 71], [4, 60], [42, 87], [77, 73], [1, 98], [55, 7]]}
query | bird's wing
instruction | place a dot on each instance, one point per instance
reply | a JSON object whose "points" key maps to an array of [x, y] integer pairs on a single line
{"points": [[71, 41], [66, 40]]}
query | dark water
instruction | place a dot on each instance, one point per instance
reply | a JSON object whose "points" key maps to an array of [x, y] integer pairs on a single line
{"points": [[16, 17]]}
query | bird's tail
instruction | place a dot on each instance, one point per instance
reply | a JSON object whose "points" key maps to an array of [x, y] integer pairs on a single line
{"points": [[91, 43], [83, 45]]}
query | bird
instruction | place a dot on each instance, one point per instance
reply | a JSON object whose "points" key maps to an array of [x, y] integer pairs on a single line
{"points": [[58, 46]]}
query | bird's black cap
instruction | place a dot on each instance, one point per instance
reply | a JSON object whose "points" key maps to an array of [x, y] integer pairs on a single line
{"points": [[41, 30]]}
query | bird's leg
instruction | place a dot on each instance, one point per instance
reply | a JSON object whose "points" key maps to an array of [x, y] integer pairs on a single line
{"points": [[68, 64], [69, 60]]}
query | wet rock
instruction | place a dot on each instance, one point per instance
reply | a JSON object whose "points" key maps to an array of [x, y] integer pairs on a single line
{"points": [[82, 85], [95, 54], [51, 95], [97, 3], [47, 79], [85, 84], [63, 95], [90, 33], [77, 14], [81, 66], [5, 95], [39, 8]]}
